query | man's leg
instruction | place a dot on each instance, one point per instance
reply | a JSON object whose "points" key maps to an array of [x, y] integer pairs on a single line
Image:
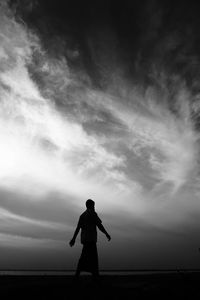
{"points": [[95, 275], [78, 271]]}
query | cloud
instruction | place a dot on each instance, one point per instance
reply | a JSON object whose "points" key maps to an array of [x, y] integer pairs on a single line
{"points": [[152, 132], [6, 215], [18, 241], [49, 141], [42, 148]]}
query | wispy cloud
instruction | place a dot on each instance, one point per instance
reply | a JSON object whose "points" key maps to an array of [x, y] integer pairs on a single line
{"points": [[41, 146], [170, 141], [7, 216], [19, 241]]}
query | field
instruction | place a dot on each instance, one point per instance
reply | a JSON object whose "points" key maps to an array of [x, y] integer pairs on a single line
{"points": [[179, 285]]}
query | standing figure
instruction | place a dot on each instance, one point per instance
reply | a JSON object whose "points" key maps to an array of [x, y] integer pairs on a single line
{"points": [[88, 223]]}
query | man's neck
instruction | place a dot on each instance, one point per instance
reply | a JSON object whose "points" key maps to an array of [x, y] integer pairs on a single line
{"points": [[90, 210]]}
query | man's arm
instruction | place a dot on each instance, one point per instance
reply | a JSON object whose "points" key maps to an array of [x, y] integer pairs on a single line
{"points": [[102, 229], [72, 242]]}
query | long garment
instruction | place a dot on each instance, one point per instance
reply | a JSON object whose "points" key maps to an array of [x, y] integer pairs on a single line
{"points": [[89, 258]]}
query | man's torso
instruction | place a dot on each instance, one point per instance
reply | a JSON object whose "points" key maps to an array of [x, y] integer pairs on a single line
{"points": [[88, 222]]}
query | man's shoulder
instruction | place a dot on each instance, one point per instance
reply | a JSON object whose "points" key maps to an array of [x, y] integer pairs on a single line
{"points": [[83, 214]]}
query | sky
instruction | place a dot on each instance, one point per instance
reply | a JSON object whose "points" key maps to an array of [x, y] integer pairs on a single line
{"points": [[100, 100]]}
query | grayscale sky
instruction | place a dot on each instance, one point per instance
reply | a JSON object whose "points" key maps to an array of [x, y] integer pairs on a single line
{"points": [[100, 100]]}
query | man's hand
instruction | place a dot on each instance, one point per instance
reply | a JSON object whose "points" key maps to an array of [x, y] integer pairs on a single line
{"points": [[72, 242], [108, 237]]}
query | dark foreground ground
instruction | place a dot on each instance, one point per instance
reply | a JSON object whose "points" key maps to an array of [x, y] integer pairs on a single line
{"points": [[158, 286]]}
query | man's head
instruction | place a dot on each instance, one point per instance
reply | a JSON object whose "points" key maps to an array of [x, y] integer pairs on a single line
{"points": [[90, 204]]}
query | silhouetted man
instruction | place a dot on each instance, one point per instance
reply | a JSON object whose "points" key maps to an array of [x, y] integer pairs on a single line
{"points": [[88, 223]]}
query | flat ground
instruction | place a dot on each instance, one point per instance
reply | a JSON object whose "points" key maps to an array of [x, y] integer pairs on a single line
{"points": [[159, 286]]}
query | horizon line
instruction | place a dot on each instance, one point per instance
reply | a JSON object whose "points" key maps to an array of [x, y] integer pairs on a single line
{"points": [[104, 270]]}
